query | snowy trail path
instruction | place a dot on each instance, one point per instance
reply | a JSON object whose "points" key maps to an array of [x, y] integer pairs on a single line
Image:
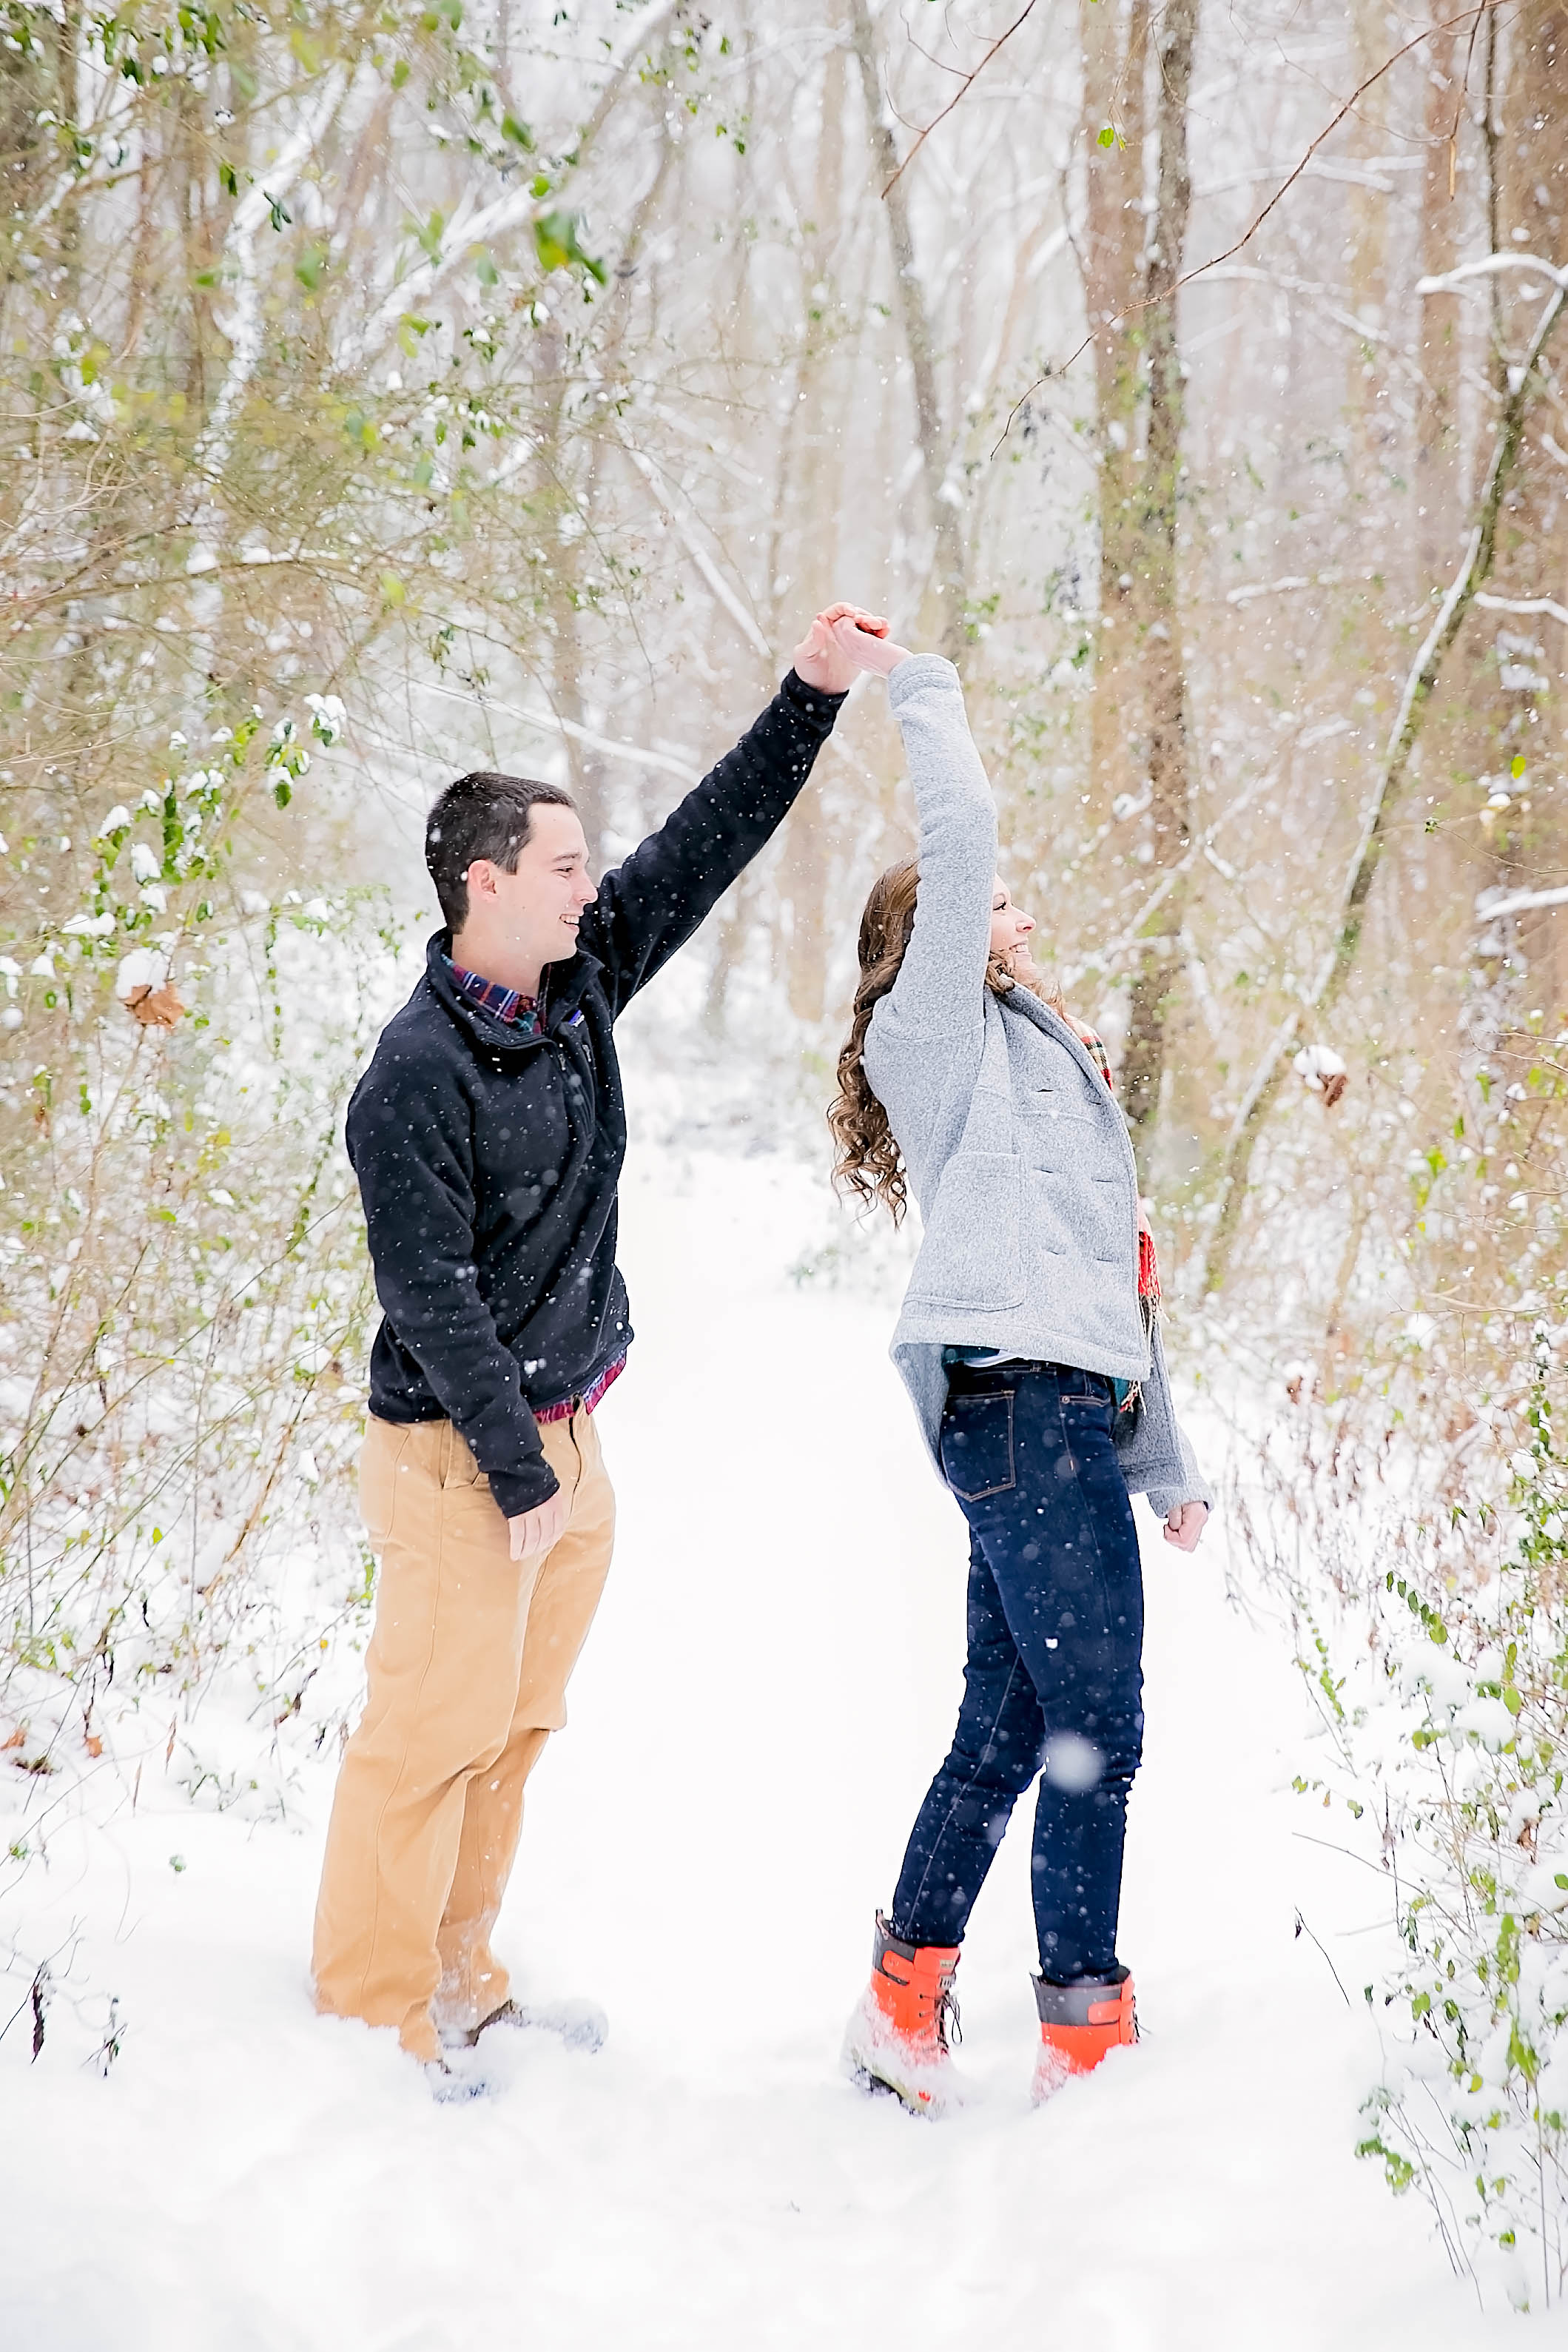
{"points": [[771, 1684]]}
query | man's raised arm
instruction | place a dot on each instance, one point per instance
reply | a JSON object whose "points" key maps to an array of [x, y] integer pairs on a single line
{"points": [[651, 905]]}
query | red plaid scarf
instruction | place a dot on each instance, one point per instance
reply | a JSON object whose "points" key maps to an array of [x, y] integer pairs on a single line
{"points": [[1148, 1265]]}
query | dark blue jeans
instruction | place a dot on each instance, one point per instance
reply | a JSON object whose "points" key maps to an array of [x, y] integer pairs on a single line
{"points": [[1053, 1684]]}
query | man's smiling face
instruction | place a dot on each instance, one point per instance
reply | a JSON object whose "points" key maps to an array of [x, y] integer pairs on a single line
{"points": [[537, 910]]}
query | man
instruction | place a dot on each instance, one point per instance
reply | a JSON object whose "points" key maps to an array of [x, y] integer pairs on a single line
{"points": [[488, 1136]]}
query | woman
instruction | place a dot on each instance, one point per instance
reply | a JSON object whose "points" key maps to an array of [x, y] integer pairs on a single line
{"points": [[1029, 1343]]}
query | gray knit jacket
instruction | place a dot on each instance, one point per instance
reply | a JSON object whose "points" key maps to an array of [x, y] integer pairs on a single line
{"points": [[1015, 1152]]}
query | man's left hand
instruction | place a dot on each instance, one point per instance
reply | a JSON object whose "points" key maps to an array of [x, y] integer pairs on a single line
{"points": [[820, 661], [537, 1531], [1186, 1524]]}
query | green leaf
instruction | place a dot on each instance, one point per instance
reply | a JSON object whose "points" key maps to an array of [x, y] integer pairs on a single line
{"points": [[400, 73], [1108, 136], [486, 271], [556, 239], [517, 133], [1518, 767], [394, 592], [282, 217], [282, 793], [309, 265]]}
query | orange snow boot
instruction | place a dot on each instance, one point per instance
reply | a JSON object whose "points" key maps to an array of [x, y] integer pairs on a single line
{"points": [[898, 2037], [1081, 2023]]}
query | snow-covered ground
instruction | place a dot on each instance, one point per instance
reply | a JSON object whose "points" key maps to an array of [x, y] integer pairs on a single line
{"points": [[770, 1683]]}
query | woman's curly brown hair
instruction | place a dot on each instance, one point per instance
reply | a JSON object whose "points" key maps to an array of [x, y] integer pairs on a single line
{"points": [[867, 1160]]}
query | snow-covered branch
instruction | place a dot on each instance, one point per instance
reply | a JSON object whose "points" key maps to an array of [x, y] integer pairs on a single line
{"points": [[1546, 604], [474, 225], [1493, 903], [243, 326], [1489, 266]]}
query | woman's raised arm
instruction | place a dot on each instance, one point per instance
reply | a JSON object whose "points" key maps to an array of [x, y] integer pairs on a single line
{"points": [[940, 986]]}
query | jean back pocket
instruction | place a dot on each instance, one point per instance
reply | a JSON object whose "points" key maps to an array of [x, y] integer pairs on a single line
{"points": [[977, 1444]]}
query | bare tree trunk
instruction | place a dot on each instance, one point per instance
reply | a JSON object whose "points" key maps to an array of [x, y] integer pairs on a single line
{"points": [[1115, 36], [1516, 962], [27, 154], [1479, 558], [1491, 132], [1158, 597], [1367, 421], [1438, 491], [948, 582], [808, 541], [1529, 839]]}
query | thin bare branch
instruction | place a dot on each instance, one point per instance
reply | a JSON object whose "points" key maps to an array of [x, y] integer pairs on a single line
{"points": [[965, 86], [1135, 309]]}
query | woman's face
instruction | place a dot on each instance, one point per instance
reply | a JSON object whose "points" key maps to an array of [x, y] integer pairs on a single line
{"points": [[1010, 928]]}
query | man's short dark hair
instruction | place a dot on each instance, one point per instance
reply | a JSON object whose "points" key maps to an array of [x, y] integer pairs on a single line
{"points": [[481, 815]]}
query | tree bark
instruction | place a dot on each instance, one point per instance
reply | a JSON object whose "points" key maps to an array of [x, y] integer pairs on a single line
{"points": [[948, 582], [1115, 36], [1439, 515], [1162, 666], [1338, 963], [808, 547], [1531, 842]]}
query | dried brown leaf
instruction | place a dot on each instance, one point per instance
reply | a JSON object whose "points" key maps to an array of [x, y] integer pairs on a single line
{"points": [[156, 1008]]}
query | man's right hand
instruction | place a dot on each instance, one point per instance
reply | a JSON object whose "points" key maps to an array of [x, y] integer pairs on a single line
{"points": [[534, 1532], [819, 659]]}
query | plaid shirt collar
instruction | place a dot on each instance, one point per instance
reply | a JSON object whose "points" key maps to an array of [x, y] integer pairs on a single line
{"points": [[508, 1004]]}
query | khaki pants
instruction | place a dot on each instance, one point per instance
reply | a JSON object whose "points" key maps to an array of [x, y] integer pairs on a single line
{"points": [[468, 1671]]}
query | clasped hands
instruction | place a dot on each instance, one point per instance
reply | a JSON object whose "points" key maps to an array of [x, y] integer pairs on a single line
{"points": [[841, 641]]}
